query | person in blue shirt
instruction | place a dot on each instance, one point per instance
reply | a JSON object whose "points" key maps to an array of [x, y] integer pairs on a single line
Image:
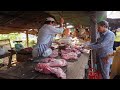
{"points": [[104, 47], [45, 37]]}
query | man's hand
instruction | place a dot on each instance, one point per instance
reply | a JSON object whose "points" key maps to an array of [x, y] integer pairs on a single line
{"points": [[105, 59], [61, 20], [86, 47]]}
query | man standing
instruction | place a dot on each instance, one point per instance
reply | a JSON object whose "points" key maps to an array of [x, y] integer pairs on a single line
{"points": [[104, 47], [45, 37]]}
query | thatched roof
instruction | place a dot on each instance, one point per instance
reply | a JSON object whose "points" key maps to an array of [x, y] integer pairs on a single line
{"points": [[17, 21]]}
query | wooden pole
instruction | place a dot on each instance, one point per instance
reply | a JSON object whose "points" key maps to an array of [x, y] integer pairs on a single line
{"points": [[94, 18], [93, 33], [27, 38]]}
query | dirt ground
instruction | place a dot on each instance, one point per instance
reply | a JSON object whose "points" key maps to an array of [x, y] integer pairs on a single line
{"points": [[5, 62]]}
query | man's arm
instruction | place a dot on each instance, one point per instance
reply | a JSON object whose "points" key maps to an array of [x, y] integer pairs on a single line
{"points": [[105, 42], [58, 30], [54, 30]]}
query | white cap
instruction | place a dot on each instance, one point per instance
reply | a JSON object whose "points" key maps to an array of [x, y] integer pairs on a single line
{"points": [[50, 19]]}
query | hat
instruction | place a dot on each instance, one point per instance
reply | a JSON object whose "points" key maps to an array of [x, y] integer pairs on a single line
{"points": [[50, 19]]}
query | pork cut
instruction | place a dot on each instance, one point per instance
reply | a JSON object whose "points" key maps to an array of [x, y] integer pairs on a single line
{"points": [[54, 62], [43, 68], [71, 55], [57, 63], [46, 60], [58, 72], [46, 69]]}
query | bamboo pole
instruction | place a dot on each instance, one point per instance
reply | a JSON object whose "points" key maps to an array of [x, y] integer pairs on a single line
{"points": [[27, 38]]}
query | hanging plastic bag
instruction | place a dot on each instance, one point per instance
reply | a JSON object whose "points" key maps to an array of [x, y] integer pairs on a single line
{"points": [[2, 50]]}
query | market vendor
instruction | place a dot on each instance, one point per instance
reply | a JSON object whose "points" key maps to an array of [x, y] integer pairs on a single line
{"points": [[76, 33], [45, 37], [66, 32], [103, 47]]}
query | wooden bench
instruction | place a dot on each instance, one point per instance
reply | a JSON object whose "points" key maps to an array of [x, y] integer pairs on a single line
{"points": [[9, 52]]}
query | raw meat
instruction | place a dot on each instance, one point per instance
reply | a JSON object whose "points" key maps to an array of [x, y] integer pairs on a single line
{"points": [[58, 63], [58, 72], [71, 55], [65, 51], [55, 62], [54, 54], [45, 68], [72, 49], [78, 52], [46, 60], [29, 49]]}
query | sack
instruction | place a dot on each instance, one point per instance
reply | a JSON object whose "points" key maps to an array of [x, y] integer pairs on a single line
{"points": [[2, 50], [47, 53], [35, 51]]}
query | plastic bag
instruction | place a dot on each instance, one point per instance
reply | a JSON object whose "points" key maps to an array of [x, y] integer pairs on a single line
{"points": [[2, 50], [65, 40], [35, 51], [47, 53]]}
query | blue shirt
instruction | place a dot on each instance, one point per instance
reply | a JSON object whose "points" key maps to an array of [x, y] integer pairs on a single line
{"points": [[104, 45], [47, 32]]}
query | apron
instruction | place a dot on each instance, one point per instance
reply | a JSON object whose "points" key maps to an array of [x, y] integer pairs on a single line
{"points": [[44, 47]]}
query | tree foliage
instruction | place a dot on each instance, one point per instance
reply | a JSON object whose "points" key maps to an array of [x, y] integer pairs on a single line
{"points": [[11, 36], [17, 36]]}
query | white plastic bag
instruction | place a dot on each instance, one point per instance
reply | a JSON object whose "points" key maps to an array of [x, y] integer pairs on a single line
{"points": [[65, 40], [47, 53], [2, 50]]}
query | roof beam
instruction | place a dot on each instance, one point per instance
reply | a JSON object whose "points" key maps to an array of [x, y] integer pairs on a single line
{"points": [[11, 18]]}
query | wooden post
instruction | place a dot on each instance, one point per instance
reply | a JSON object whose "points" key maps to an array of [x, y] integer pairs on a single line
{"points": [[93, 33], [27, 38], [94, 17]]}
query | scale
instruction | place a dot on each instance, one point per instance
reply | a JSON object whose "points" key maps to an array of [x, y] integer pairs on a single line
{"points": [[18, 45]]}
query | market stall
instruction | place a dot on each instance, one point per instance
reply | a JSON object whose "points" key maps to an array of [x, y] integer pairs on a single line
{"points": [[25, 70], [68, 48], [71, 64]]}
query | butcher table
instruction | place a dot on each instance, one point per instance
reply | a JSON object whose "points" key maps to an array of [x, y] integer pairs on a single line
{"points": [[25, 70]]}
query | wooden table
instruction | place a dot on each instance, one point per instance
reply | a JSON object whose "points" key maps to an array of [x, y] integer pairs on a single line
{"points": [[76, 70], [25, 70]]}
